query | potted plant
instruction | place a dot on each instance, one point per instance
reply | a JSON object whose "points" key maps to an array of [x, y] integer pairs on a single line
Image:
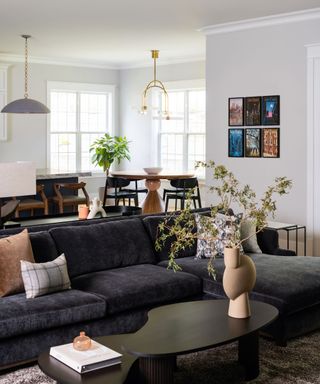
{"points": [[232, 196], [106, 149]]}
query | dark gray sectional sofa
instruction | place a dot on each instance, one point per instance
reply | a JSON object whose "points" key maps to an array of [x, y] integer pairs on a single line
{"points": [[117, 276]]}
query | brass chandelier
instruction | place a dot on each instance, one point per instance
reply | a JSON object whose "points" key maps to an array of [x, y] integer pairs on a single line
{"points": [[156, 84]]}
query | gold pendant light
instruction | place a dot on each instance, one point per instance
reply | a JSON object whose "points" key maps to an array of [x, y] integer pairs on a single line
{"points": [[155, 84], [25, 105]]}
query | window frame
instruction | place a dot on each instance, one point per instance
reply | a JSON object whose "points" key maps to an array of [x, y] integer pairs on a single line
{"points": [[57, 86], [178, 86]]}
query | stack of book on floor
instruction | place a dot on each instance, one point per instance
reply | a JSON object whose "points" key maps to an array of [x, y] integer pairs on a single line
{"points": [[98, 356]]}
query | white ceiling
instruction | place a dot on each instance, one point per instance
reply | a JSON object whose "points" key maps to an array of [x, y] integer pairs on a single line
{"points": [[121, 33]]}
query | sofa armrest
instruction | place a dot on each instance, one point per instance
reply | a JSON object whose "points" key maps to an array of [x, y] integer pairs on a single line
{"points": [[284, 252]]}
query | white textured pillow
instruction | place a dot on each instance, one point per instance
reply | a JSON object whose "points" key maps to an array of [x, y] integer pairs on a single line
{"points": [[247, 231], [42, 278]]}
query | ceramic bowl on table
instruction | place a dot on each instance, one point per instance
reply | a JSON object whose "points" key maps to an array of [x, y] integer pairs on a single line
{"points": [[152, 170]]}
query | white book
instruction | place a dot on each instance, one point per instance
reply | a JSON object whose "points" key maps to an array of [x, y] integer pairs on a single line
{"points": [[98, 356]]}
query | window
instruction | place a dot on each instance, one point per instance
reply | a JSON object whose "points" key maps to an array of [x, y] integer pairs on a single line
{"points": [[181, 140], [80, 113]]}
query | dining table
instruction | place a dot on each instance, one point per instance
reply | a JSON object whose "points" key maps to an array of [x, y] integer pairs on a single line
{"points": [[153, 203]]}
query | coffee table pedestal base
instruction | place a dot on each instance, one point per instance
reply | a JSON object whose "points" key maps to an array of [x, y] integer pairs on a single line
{"points": [[248, 355], [157, 370]]}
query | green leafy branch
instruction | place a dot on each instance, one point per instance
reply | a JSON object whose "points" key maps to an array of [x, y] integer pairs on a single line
{"points": [[230, 193], [179, 228]]}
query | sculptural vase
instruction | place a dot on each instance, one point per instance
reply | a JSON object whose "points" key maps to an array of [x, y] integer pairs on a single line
{"points": [[238, 280]]}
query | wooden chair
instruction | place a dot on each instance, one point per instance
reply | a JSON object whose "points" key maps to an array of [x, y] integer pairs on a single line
{"points": [[184, 186], [62, 199], [30, 204], [118, 183]]}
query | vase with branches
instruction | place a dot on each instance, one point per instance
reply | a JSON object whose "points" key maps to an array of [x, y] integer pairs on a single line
{"points": [[231, 195]]}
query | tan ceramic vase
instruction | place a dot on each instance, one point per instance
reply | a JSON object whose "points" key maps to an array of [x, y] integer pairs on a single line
{"points": [[238, 280]]}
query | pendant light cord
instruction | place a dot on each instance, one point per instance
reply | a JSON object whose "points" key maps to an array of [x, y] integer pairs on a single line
{"points": [[26, 66]]}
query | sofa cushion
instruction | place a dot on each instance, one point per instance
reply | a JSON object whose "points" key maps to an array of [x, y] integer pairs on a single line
{"points": [[43, 246], [13, 249], [103, 246], [249, 236], [199, 267], [19, 315], [43, 278], [289, 283], [151, 223], [138, 285]]}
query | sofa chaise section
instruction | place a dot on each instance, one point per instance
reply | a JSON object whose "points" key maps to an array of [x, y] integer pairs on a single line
{"points": [[290, 283]]}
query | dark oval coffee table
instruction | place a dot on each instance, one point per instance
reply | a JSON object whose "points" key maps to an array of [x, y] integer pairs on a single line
{"points": [[149, 354]]}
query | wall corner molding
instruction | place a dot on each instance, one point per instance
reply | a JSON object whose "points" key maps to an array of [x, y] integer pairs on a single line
{"points": [[313, 151], [260, 22]]}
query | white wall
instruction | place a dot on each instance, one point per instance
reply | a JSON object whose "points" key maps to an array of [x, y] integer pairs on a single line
{"points": [[263, 61], [135, 126], [27, 138]]}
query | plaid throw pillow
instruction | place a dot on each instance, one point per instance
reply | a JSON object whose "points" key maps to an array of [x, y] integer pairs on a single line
{"points": [[42, 278]]}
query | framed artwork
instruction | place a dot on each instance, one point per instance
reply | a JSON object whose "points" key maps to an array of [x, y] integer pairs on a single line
{"points": [[235, 143], [252, 145], [271, 110], [235, 111], [252, 111], [271, 142]]}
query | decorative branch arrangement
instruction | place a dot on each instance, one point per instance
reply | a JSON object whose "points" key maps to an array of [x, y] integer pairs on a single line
{"points": [[179, 227]]}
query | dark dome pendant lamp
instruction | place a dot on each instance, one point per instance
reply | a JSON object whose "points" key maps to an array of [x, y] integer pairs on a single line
{"points": [[25, 105]]}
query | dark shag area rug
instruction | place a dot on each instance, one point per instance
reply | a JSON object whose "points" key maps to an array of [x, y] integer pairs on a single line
{"points": [[297, 363]]}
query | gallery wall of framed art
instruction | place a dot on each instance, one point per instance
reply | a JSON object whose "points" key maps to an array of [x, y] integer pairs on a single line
{"points": [[253, 116]]}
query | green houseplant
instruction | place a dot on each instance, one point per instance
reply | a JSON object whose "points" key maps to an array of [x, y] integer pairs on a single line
{"points": [[231, 196], [106, 149]]}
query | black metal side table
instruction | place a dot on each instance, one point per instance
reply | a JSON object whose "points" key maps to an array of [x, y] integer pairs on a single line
{"points": [[289, 228]]}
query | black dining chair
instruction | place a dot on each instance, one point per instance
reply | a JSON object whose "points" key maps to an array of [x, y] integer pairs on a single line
{"points": [[175, 189], [136, 189], [117, 183], [182, 192]]}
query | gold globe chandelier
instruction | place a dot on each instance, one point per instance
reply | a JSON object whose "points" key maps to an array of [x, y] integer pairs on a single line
{"points": [[156, 84]]}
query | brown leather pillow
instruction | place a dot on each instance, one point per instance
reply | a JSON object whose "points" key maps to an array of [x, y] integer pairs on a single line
{"points": [[12, 250]]}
